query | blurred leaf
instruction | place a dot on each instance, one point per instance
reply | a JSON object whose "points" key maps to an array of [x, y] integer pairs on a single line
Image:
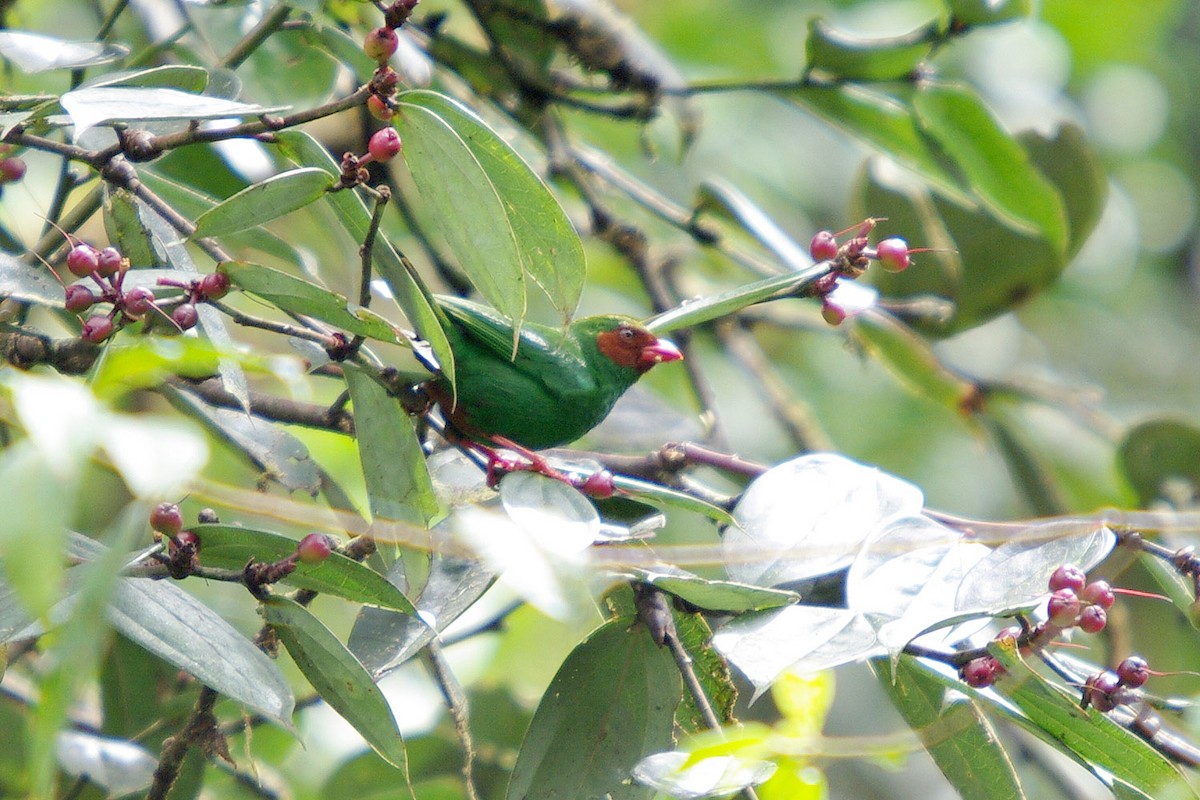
{"points": [[550, 507], [337, 676], [995, 166], [33, 284], [659, 496], [1034, 481], [1161, 460], [497, 215], [961, 740], [231, 547], [850, 58], [302, 149], [969, 13], [37, 503], [1088, 733], [384, 640], [132, 680], [184, 77], [268, 445], [809, 516], [911, 360], [763, 644], [685, 776], [149, 361], [710, 595], [1072, 165], [181, 630], [35, 52], [611, 704], [156, 456], [117, 766], [301, 297], [393, 463], [721, 196], [125, 229], [264, 201], [91, 107]]}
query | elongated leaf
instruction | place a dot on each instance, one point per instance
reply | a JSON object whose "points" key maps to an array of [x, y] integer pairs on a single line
{"points": [[853, 58], [611, 704], [126, 231], [727, 596], [337, 676], [231, 547], [725, 303], [184, 77], [398, 482], [303, 150], [91, 107], [717, 194], [264, 201], [301, 297], [548, 248], [181, 630], [995, 165], [35, 52], [957, 735]]}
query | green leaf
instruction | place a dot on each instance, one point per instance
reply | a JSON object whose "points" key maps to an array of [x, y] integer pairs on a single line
{"points": [[969, 13], [125, 229], [720, 195], [957, 735], [393, 463], [184, 77], [264, 201], [658, 495], [34, 52], [724, 596], [337, 676], [995, 166], [611, 704], [856, 59], [230, 547], [301, 297], [1161, 459], [100, 104], [725, 303], [181, 630], [33, 284], [37, 502], [1088, 733], [911, 360], [882, 121], [301, 148]]}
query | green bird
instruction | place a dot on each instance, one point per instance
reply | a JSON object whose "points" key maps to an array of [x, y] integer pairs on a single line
{"points": [[555, 386]]}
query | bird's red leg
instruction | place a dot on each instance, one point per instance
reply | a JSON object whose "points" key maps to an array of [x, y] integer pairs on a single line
{"points": [[537, 463]]}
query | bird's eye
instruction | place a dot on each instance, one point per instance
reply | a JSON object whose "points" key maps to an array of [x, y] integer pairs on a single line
{"points": [[626, 333]]}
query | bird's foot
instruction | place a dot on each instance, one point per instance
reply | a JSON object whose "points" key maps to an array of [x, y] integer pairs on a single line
{"points": [[597, 484]]}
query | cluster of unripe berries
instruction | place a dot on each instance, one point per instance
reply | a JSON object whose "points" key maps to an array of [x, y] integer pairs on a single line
{"points": [[1104, 691], [12, 169], [850, 259], [1073, 602], [380, 45], [107, 269]]}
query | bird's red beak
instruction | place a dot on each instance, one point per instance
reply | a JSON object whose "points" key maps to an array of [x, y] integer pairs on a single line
{"points": [[660, 352]]}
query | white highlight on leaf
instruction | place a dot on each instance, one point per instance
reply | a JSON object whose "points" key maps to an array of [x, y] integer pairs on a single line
{"points": [[117, 766], [709, 777]]}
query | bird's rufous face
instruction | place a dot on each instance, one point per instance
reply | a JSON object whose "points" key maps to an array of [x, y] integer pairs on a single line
{"points": [[635, 347]]}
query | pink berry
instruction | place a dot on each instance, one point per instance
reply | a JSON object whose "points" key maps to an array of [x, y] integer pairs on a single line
{"points": [[823, 246], [1133, 672], [79, 298], [214, 285], [384, 144], [314, 548], [83, 260], [11, 170], [1063, 608], [380, 44], [599, 485], [97, 329], [1093, 619], [185, 316], [379, 108], [832, 312], [1068, 576], [137, 302], [1099, 593], [108, 261], [187, 539], [167, 519], [892, 254], [981, 672]]}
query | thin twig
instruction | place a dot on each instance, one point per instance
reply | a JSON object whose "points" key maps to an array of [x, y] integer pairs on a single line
{"points": [[456, 702], [270, 23], [199, 724]]}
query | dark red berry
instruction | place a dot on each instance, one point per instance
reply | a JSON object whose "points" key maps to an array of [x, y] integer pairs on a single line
{"points": [[11, 170], [1099, 689], [185, 316], [1133, 672], [384, 144], [97, 329], [892, 254], [599, 485], [1068, 576], [1093, 619], [379, 108], [1099, 593], [380, 44], [83, 260], [108, 261], [167, 519], [214, 285], [79, 298], [1063, 608], [137, 302], [981, 672], [314, 548], [823, 246]]}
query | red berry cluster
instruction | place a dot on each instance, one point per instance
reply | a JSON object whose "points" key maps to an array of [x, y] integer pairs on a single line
{"points": [[1104, 691], [12, 169], [850, 259], [380, 45], [107, 269]]}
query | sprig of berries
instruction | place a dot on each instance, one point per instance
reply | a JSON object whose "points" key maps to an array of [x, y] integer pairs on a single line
{"points": [[848, 261], [380, 45], [383, 146]]}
